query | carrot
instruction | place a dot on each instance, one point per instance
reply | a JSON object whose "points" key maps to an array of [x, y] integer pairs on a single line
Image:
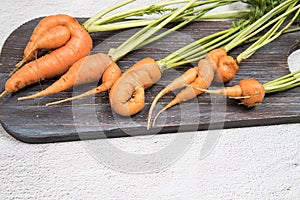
{"points": [[249, 91], [58, 61], [110, 75], [203, 79], [201, 75], [85, 70], [53, 38], [127, 94]]}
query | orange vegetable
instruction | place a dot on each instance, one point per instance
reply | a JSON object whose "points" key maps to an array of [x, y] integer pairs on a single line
{"points": [[127, 96], [58, 61], [53, 38], [203, 79], [249, 91], [85, 70], [110, 75]]}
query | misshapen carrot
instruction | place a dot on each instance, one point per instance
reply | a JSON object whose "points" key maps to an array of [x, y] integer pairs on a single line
{"points": [[58, 61], [249, 91], [127, 96], [201, 75], [54, 38], [203, 79], [85, 70], [110, 75]]}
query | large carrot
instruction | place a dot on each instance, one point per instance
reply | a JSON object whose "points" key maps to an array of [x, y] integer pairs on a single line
{"points": [[51, 38], [58, 61]]}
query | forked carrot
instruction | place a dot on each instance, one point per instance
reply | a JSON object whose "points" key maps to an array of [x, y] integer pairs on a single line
{"points": [[200, 76], [53, 38], [58, 61]]}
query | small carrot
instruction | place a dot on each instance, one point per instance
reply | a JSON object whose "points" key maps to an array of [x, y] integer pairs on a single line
{"points": [[203, 79], [85, 70], [110, 75], [201, 75], [58, 61], [52, 39], [249, 91], [127, 94]]}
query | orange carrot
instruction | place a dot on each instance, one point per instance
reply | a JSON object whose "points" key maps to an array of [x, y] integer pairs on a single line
{"points": [[249, 91], [110, 75], [203, 79], [127, 96], [201, 75], [85, 70], [58, 61], [189, 76], [52, 39]]}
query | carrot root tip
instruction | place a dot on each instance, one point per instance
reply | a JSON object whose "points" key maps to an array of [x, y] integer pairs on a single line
{"points": [[238, 98], [3, 94], [27, 97], [157, 115]]}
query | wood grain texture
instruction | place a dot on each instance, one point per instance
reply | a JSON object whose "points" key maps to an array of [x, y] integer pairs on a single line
{"points": [[91, 118]]}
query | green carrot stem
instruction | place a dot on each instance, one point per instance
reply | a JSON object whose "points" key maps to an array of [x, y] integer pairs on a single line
{"points": [[196, 50], [283, 78], [147, 32], [236, 14], [152, 8], [91, 20], [120, 25], [283, 83], [200, 13], [193, 45], [201, 54]]}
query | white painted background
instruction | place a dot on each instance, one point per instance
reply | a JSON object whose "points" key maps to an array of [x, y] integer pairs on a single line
{"points": [[247, 163]]}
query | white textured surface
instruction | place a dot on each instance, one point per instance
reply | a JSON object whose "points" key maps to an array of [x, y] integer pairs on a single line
{"points": [[248, 163]]}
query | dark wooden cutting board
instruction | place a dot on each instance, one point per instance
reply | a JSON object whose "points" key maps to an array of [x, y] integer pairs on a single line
{"points": [[92, 118]]}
